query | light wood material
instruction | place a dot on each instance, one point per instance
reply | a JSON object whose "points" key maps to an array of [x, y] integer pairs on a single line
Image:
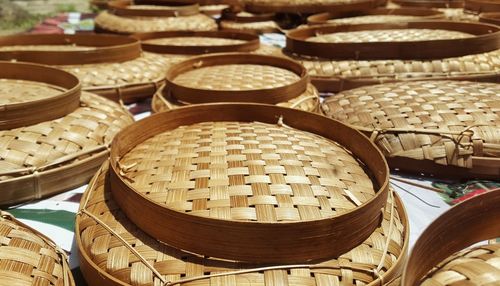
{"points": [[448, 123], [310, 238], [112, 251], [432, 261], [152, 8], [308, 6], [430, 3]]}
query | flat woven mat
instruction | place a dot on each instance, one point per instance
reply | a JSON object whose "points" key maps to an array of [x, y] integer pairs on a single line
{"points": [[466, 114], [117, 249]]}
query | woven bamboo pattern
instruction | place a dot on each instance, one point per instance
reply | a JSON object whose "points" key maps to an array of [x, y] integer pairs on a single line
{"points": [[446, 106], [27, 258], [476, 266], [458, 14], [485, 63], [383, 251], [308, 101], [297, 2], [236, 77], [46, 48], [194, 41], [259, 27], [367, 19], [17, 91], [391, 35], [118, 24]]}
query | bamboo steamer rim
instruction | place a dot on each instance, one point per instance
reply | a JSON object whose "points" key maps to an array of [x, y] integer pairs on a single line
{"points": [[108, 48], [268, 7], [96, 275], [259, 238], [430, 3], [487, 38], [471, 221], [231, 14], [171, 8], [24, 250], [35, 111], [322, 18], [484, 163], [251, 43], [490, 18], [480, 6], [267, 95]]}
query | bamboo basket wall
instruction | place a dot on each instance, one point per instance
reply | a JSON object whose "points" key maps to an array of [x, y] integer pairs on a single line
{"points": [[124, 17], [379, 15], [490, 18], [108, 65], [225, 78], [481, 6], [348, 56], [372, 261], [452, 9], [450, 128], [309, 6], [434, 260], [51, 138], [210, 203], [27, 257], [237, 19], [179, 46]]}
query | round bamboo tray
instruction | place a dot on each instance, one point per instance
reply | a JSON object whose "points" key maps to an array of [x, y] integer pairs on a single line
{"points": [[114, 251], [308, 6], [433, 262], [152, 16], [51, 139], [30, 258], [238, 189], [448, 128], [340, 57], [225, 78], [481, 6], [236, 19], [379, 15], [490, 18], [108, 65]]}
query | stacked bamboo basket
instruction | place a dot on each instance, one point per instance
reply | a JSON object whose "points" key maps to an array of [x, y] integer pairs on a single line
{"points": [[244, 175]]}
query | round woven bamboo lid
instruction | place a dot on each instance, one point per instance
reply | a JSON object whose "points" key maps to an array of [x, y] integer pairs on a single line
{"points": [[337, 60], [432, 260], [308, 6], [434, 126], [52, 139], [238, 181], [379, 15], [237, 19], [124, 17], [481, 6], [236, 77], [307, 101], [114, 251], [109, 65], [27, 257]]}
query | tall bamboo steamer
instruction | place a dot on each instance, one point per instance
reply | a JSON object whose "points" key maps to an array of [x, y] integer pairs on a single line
{"points": [[386, 52], [109, 65], [443, 254], [53, 136]]}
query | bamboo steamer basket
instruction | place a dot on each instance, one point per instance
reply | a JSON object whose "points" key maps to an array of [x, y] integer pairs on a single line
{"points": [[376, 258], [108, 65], [240, 206], [309, 6], [448, 128], [51, 138], [452, 9], [379, 15], [340, 57], [434, 260], [224, 78], [237, 19], [179, 46], [27, 257], [124, 17]]}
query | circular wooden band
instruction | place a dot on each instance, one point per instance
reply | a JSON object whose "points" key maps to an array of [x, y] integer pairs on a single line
{"points": [[232, 15], [169, 8], [480, 6], [430, 3], [323, 18], [486, 39], [490, 18], [268, 95], [469, 222], [108, 48], [311, 8], [251, 42], [36, 111], [244, 241]]}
